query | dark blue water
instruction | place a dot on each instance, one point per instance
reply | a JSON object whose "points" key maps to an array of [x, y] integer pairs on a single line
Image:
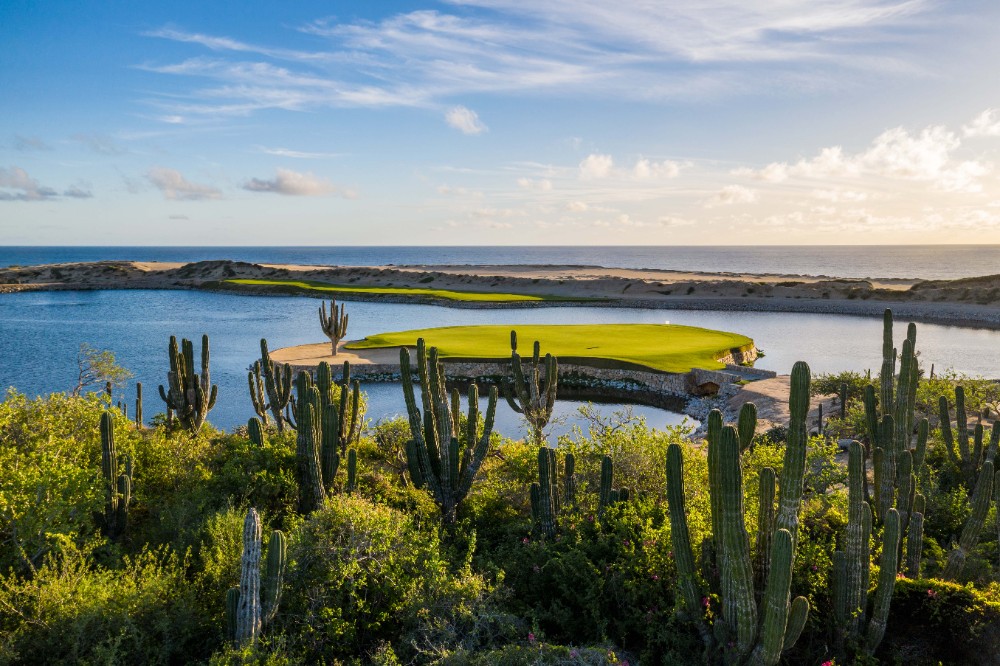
{"points": [[40, 334], [903, 261]]}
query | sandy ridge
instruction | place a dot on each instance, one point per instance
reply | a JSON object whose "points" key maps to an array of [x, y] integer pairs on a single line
{"points": [[967, 302]]}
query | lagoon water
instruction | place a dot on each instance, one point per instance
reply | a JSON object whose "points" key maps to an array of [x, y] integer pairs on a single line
{"points": [[40, 334]]}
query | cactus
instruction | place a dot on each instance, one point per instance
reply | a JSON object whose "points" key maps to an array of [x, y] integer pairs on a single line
{"points": [[531, 395], [439, 456], [982, 497], [118, 487], [256, 431], [246, 615], [341, 427], [138, 405], [257, 396], [352, 470], [747, 425], [752, 635], [569, 480], [765, 522], [333, 324], [843, 401], [968, 461], [545, 493], [277, 381], [609, 495], [190, 395]]}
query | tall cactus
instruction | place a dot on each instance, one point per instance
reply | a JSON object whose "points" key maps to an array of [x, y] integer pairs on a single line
{"points": [[968, 460], [334, 324], [138, 405], [117, 486], [747, 425], [277, 381], [440, 456], [258, 398], [255, 430], [982, 497], [530, 394], [190, 395], [752, 635], [255, 603], [608, 494], [545, 492]]}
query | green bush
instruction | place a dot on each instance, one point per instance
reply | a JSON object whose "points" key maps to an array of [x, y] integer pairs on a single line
{"points": [[71, 612]]}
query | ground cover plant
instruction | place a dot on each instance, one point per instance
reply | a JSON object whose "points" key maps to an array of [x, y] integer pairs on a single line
{"points": [[621, 544], [326, 288], [664, 347]]}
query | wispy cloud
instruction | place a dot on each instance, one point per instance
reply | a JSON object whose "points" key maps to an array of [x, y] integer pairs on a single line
{"points": [[464, 120], [29, 143], [176, 187], [100, 143], [17, 185], [291, 183], [297, 154], [653, 51], [986, 123], [732, 194]]}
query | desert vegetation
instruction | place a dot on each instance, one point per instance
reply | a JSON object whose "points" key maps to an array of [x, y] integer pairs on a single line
{"points": [[315, 535]]}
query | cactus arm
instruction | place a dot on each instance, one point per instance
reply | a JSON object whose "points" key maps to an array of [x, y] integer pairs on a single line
{"points": [[871, 415], [747, 425], [256, 431], [775, 607], [888, 363], [276, 563], [962, 427], [982, 496], [914, 544], [736, 546], [765, 522], [687, 582], [797, 616], [886, 582], [855, 541], [794, 466], [352, 470], [248, 617]]}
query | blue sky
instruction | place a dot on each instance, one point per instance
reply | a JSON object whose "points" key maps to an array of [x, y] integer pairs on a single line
{"points": [[499, 122]]}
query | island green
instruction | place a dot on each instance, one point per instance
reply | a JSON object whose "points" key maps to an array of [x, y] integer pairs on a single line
{"points": [[663, 347]]}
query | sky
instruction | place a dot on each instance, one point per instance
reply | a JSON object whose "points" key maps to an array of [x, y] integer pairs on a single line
{"points": [[499, 122]]}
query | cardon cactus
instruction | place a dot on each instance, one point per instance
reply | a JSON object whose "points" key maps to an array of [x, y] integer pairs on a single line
{"points": [[545, 492], [277, 383], [969, 460], [982, 497], [138, 405], [117, 487], [334, 324], [748, 634], [531, 394], [191, 396], [608, 494], [256, 431], [747, 425], [255, 382], [439, 455], [255, 603]]}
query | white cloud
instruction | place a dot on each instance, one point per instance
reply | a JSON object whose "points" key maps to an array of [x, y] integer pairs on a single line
{"points": [[465, 120], [896, 153], [838, 195], [577, 206], [541, 185], [297, 154], [176, 187], [986, 123], [291, 183], [647, 169], [732, 194], [17, 185], [596, 166]]}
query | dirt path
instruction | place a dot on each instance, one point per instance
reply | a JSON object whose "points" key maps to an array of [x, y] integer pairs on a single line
{"points": [[771, 398]]}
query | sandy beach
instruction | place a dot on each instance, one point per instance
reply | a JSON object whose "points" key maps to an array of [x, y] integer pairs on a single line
{"points": [[973, 302]]}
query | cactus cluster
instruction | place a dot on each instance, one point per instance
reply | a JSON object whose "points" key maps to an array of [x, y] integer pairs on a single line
{"points": [[547, 499], [138, 405], [890, 423], [975, 463], [117, 486], [531, 394], [747, 631], [334, 324], [859, 628], [439, 455], [607, 493], [254, 604], [325, 428], [191, 396], [273, 380]]}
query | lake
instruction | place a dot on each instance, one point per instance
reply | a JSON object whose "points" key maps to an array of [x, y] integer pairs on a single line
{"points": [[40, 334]]}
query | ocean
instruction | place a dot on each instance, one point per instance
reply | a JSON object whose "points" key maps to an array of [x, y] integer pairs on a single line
{"points": [[931, 262]]}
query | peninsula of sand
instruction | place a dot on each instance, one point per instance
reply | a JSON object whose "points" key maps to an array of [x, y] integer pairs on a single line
{"points": [[973, 302]]}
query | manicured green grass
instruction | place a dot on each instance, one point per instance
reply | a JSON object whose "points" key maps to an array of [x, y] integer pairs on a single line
{"points": [[663, 347], [447, 294]]}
